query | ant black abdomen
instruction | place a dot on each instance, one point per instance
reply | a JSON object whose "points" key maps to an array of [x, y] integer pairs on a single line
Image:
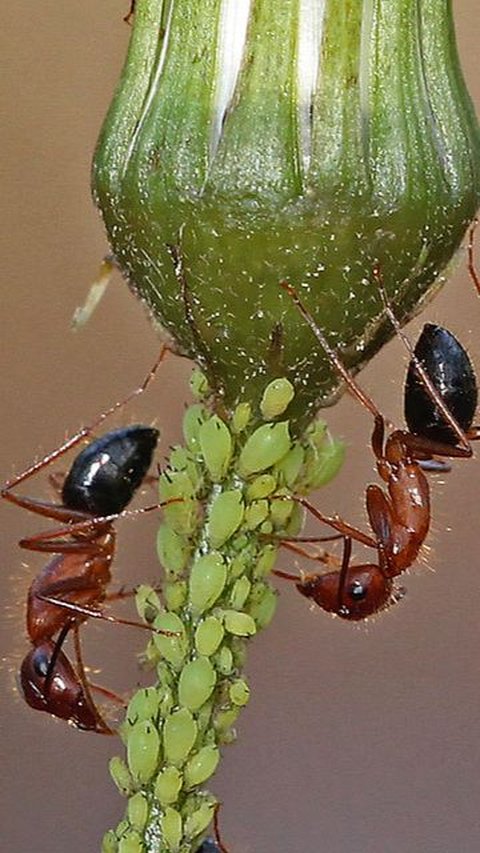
{"points": [[58, 691], [450, 370], [107, 473]]}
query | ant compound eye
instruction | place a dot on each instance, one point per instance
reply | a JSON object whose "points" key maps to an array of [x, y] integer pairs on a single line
{"points": [[357, 591], [41, 662]]}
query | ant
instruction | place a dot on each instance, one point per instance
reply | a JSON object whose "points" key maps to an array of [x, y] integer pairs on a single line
{"points": [[67, 591], [400, 516]]}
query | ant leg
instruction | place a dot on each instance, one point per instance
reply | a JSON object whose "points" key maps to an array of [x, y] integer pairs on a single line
{"points": [[83, 610], [45, 541], [419, 368], [470, 255], [342, 581], [85, 431], [128, 17], [104, 728], [338, 524], [324, 557], [109, 694], [56, 651], [216, 829]]}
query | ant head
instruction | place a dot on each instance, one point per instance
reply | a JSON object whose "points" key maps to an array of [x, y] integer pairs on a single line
{"points": [[451, 372], [364, 590], [60, 692], [106, 474]]}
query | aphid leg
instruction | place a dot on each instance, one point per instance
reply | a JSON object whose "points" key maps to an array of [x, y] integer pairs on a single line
{"points": [[82, 433]]}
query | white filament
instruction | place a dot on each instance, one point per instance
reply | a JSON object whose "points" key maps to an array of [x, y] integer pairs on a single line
{"points": [[311, 19], [234, 17]]}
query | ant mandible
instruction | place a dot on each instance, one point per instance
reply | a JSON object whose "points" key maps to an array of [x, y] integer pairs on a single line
{"points": [[400, 517], [69, 589]]}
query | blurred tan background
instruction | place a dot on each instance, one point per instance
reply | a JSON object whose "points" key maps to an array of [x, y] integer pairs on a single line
{"points": [[357, 739]]}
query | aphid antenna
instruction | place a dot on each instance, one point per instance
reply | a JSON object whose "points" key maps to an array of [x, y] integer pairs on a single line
{"points": [[418, 366]]}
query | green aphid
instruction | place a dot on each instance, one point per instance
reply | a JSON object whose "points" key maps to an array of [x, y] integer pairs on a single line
{"points": [[265, 561], [173, 550], [239, 692], [289, 467], [241, 417], [238, 648], [204, 718], [199, 384], [196, 684], [240, 592], [201, 766], [262, 604], [143, 705], [143, 751], [239, 564], [281, 511], [261, 487], [324, 457], [239, 624], [264, 448], [266, 529], [182, 515], [147, 603], [179, 735], [109, 842], [208, 636], [296, 522], [207, 581], [174, 649], [224, 661], [256, 513], [167, 702], [137, 811], [225, 517], [172, 829], [276, 398], [193, 418], [175, 595], [131, 842], [178, 458], [168, 785], [121, 776], [200, 820], [226, 719], [216, 446]]}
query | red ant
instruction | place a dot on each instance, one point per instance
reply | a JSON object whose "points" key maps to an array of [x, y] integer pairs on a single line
{"points": [[101, 482], [400, 517]]}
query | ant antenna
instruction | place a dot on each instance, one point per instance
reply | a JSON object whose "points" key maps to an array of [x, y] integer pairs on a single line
{"points": [[354, 389]]}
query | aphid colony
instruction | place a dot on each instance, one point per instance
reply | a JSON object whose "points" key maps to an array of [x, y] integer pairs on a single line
{"points": [[237, 475], [440, 403]]}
